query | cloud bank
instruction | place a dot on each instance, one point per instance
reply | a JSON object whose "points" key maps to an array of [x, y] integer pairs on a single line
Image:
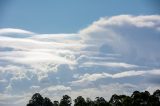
{"points": [[117, 54]]}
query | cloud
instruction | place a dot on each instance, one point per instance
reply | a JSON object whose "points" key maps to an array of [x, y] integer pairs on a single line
{"points": [[150, 21], [14, 100], [134, 37], [87, 78], [36, 53], [110, 64], [88, 62], [58, 88], [105, 91], [11, 32]]}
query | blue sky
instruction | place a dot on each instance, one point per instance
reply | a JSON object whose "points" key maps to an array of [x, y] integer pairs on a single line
{"points": [[89, 48], [59, 16]]}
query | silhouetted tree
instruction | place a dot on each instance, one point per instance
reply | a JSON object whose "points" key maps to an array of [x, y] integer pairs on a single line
{"points": [[79, 101], [47, 102], [141, 98], [115, 100], [154, 101], [89, 102], [65, 101], [55, 103], [136, 99], [36, 100], [157, 94], [100, 101], [126, 100]]}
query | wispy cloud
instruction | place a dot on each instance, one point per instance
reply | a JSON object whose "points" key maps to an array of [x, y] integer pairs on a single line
{"points": [[110, 64], [86, 78]]}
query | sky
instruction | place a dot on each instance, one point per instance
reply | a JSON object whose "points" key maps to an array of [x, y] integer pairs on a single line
{"points": [[61, 16], [89, 48]]}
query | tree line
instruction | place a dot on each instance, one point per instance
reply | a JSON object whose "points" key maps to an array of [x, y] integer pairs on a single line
{"points": [[136, 99]]}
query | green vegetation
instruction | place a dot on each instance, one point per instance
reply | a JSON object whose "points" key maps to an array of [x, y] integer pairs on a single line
{"points": [[136, 99]]}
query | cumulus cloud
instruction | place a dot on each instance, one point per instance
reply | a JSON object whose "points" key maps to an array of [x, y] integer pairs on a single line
{"points": [[131, 36]]}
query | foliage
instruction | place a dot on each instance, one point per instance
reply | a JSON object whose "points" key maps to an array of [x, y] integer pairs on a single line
{"points": [[65, 101]]}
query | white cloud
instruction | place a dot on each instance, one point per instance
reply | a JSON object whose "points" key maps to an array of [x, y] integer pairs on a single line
{"points": [[110, 64], [151, 21], [36, 54], [87, 78], [18, 33], [56, 89], [11, 30], [135, 37], [34, 87]]}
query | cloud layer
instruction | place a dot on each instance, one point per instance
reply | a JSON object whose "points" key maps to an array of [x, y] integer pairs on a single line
{"points": [[116, 54]]}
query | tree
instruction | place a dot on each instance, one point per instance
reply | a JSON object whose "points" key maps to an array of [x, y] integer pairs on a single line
{"points": [[136, 99], [65, 101], [141, 98], [157, 94], [115, 100], [100, 101], [36, 100], [154, 101], [79, 101], [89, 102], [55, 103], [47, 102], [126, 101]]}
